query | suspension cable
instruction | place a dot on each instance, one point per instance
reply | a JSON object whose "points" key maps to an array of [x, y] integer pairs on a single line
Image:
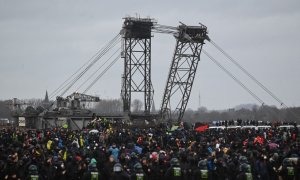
{"points": [[102, 73], [61, 86], [233, 77], [98, 69], [248, 74], [90, 65], [109, 47]]}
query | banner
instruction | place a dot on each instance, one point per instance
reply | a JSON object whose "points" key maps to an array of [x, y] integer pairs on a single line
{"points": [[201, 128], [22, 121]]}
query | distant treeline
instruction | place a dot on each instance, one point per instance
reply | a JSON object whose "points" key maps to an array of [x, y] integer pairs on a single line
{"points": [[263, 113], [258, 113]]}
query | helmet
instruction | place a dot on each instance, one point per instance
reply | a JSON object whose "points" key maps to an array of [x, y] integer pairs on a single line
{"points": [[174, 162], [245, 167], [117, 167], [87, 160], [202, 164], [138, 166], [243, 159], [94, 161], [33, 169], [287, 162]]}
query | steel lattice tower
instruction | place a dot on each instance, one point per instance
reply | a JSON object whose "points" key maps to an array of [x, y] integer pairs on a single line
{"points": [[136, 46], [190, 40]]}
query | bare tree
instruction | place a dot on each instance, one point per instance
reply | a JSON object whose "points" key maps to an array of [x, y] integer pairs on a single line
{"points": [[109, 106], [263, 113], [137, 105]]}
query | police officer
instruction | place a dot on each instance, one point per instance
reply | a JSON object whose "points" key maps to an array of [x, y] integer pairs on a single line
{"points": [[202, 172], [174, 172], [118, 173], [243, 160], [288, 169], [92, 173], [33, 173], [138, 173], [245, 172]]}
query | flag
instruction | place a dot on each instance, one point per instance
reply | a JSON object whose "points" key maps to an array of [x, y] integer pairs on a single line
{"points": [[81, 141], [49, 145], [259, 139], [65, 156], [201, 128]]}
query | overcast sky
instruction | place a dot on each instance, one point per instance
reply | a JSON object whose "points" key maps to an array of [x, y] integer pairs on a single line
{"points": [[43, 42]]}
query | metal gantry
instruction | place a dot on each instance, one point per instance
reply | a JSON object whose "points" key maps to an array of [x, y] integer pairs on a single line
{"points": [[190, 40], [136, 46], [136, 52]]}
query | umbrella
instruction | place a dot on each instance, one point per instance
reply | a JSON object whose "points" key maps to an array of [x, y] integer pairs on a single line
{"points": [[273, 145], [94, 131]]}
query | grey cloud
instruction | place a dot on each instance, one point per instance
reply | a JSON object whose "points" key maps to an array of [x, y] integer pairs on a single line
{"points": [[43, 42]]}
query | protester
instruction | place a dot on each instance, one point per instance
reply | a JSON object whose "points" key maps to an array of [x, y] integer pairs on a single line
{"points": [[118, 152]]}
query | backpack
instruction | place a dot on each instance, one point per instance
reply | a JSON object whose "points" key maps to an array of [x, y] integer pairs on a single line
{"points": [[290, 171], [204, 174], [139, 176], [249, 176], [176, 171], [34, 177], [94, 175]]}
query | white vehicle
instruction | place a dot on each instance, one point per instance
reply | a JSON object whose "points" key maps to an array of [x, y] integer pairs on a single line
{"points": [[263, 127], [249, 127], [224, 127], [286, 127], [233, 127], [216, 127]]}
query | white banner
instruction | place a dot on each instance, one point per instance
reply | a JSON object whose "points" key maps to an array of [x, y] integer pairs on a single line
{"points": [[22, 121]]}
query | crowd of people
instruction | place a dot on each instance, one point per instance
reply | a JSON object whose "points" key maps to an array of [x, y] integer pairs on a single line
{"points": [[118, 153]]}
